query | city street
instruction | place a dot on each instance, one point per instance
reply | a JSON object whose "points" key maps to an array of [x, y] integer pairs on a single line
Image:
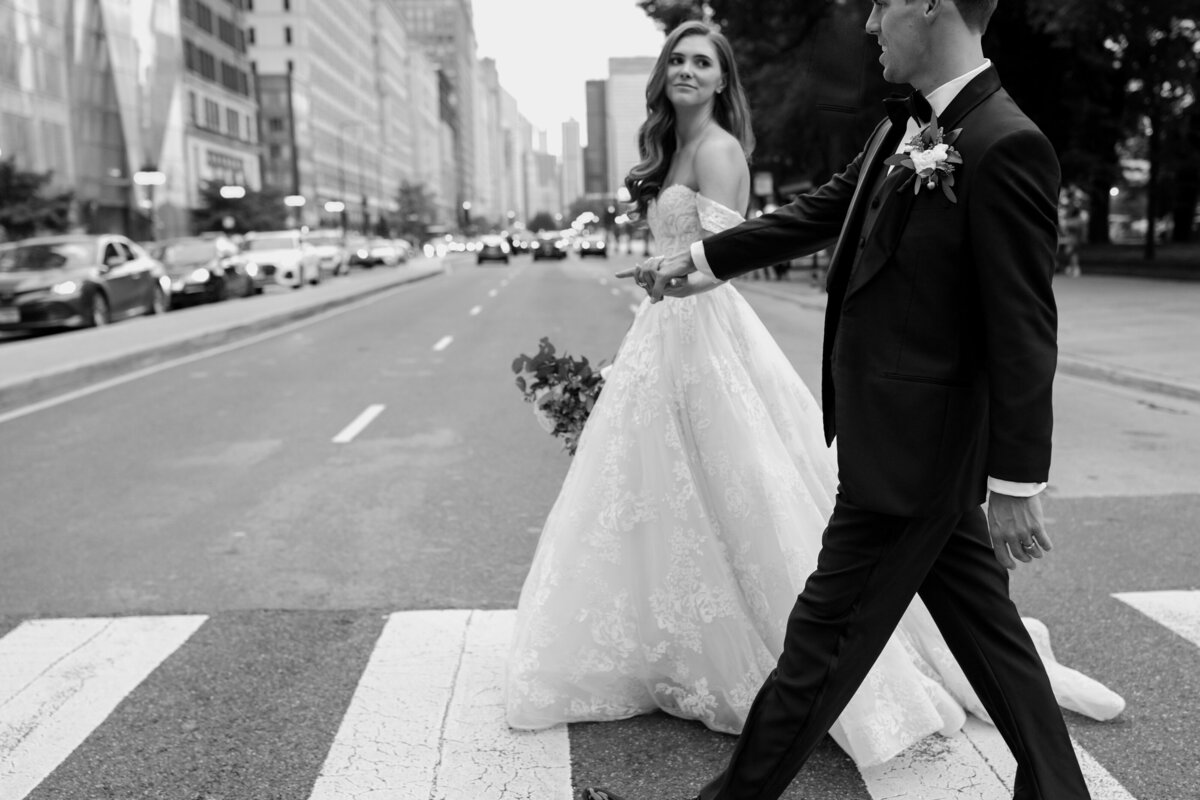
{"points": [[286, 570]]}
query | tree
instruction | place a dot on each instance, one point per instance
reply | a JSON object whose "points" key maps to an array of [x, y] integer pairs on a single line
{"points": [[417, 211], [256, 211], [24, 209], [543, 221]]}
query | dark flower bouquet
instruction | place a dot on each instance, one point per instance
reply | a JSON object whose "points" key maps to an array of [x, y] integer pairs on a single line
{"points": [[562, 389]]}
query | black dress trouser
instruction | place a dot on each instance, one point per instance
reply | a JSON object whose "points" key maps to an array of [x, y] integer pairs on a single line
{"points": [[869, 568]]}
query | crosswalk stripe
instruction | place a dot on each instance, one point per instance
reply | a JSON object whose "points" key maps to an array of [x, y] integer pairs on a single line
{"points": [[60, 678], [939, 767], [1178, 611], [428, 712], [481, 756]]}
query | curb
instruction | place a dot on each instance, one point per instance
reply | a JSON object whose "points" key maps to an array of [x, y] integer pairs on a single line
{"points": [[1067, 364], [51, 383]]}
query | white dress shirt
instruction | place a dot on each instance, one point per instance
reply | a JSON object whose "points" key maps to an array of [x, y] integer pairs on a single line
{"points": [[939, 100]]}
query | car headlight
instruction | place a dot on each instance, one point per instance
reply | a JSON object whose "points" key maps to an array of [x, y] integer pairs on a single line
{"points": [[251, 269], [200, 275], [66, 287]]}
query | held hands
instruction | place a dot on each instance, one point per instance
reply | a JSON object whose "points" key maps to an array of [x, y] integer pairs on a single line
{"points": [[1017, 528], [667, 275]]}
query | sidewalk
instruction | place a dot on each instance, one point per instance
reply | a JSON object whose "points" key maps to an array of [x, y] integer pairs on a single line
{"points": [[1136, 332], [44, 366]]}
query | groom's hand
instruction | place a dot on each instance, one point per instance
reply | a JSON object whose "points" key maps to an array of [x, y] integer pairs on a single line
{"points": [[1017, 528]]}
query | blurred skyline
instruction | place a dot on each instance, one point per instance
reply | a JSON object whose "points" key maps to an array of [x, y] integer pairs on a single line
{"points": [[576, 36]]}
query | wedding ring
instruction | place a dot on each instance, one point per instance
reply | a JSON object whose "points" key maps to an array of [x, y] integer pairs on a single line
{"points": [[1029, 545]]}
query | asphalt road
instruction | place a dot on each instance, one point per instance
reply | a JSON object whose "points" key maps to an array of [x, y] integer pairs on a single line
{"points": [[215, 490]]}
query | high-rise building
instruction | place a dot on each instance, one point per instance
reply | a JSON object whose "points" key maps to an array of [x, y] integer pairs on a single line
{"points": [[514, 131], [572, 163], [487, 207], [131, 103], [445, 28], [35, 104], [625, 101], [427, 148], [595, 155], [321, 55]]}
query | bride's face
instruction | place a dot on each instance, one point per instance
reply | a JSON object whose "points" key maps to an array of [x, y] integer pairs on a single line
{"points": [[694, 72]]}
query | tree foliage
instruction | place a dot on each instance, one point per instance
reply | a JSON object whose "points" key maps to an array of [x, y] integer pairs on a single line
{"points": [[25, 209], [416, 213], [543, 221], [1093, 74], [256, 211]]}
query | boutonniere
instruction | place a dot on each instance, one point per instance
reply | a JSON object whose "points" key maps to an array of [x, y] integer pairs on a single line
{"points": [[932, 157]]}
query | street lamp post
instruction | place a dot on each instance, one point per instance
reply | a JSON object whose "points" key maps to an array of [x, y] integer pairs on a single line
{"points": [[342, 126]]}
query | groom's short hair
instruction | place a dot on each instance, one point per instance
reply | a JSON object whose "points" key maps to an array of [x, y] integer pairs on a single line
{"points": [[976, 13]]}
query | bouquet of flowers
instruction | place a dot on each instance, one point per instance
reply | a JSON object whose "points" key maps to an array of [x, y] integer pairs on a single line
{"points": [[562, 389]]}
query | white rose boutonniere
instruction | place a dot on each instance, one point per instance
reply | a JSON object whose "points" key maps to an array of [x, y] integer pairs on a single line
{"points": [[931, 156]]}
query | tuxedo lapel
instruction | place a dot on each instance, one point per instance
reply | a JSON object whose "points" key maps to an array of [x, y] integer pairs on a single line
{"points": [[882, 144], [882, 234]]}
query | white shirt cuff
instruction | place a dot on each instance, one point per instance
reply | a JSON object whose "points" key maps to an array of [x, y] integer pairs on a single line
{"points": [[700, 261], [1014, 489]]}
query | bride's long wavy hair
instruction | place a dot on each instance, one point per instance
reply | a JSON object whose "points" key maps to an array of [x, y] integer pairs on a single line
{"points": [[656, 137]]}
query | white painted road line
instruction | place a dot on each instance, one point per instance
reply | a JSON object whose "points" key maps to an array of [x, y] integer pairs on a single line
{"points": [[475, 311], [634, 307], [493, 293], [942, 768], [1179, 610], [427, 719], [443, 343], [60, 678], [481, 756], [358, 425]]}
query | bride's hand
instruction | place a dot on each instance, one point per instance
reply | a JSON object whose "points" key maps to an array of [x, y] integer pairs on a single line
{"points": [[691, 284]]}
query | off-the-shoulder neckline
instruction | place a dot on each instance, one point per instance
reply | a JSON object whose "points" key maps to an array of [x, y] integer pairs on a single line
{"points": [[696, 192]]}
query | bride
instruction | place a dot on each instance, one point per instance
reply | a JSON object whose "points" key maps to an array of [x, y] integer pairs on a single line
{"points": [[694, 507]]}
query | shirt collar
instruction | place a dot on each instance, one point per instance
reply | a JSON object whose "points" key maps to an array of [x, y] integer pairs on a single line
{"points": [[941, 97]]}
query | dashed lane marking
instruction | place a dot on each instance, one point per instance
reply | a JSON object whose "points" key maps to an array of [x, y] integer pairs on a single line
{"points": [[358, 425], [475, 311], [443, 343]]}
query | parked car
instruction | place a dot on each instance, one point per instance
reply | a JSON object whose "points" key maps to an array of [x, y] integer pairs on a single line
{"points": [[284, 256], [492, 248], [203, 269], [78, 281], [385, 252], [549, 245], [592, 245], [332, 254]]}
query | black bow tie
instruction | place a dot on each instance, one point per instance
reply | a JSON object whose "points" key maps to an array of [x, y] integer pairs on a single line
{"points": [[900, 109]]}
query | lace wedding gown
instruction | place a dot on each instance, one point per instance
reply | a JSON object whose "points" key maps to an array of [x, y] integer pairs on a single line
{"points": [[688, 521]]}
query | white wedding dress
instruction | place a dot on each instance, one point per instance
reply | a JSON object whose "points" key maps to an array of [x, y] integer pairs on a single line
{"points": [[688, 521]]}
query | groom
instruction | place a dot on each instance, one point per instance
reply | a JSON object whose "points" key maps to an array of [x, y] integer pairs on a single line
{"points": [[939, 355]]}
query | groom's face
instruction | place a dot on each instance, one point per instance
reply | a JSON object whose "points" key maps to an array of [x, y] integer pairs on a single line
{"points": [[902, 29]]}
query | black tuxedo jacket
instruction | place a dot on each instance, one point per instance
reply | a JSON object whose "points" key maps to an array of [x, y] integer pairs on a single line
{"points": [[940, 331]]}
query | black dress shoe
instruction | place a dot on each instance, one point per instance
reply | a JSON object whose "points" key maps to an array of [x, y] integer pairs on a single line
{"points": [[598, 794]]}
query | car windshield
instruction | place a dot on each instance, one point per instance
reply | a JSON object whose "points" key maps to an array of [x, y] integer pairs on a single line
{"points": [[271, 243], [325, 240], [186, 253], [36, 257]]}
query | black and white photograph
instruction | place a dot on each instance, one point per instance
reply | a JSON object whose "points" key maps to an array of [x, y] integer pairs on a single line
{"points": [[599, 399]]}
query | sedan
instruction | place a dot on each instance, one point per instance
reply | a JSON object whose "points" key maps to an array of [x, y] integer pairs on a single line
{"points": [[593, 246], [204, 269], [78, 281], [549, 245], [492, 248], [285, 256]]}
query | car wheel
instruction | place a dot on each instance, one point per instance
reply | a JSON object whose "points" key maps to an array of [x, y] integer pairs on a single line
{"points": [[158, 302], [97, 312], [221, 292]]}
